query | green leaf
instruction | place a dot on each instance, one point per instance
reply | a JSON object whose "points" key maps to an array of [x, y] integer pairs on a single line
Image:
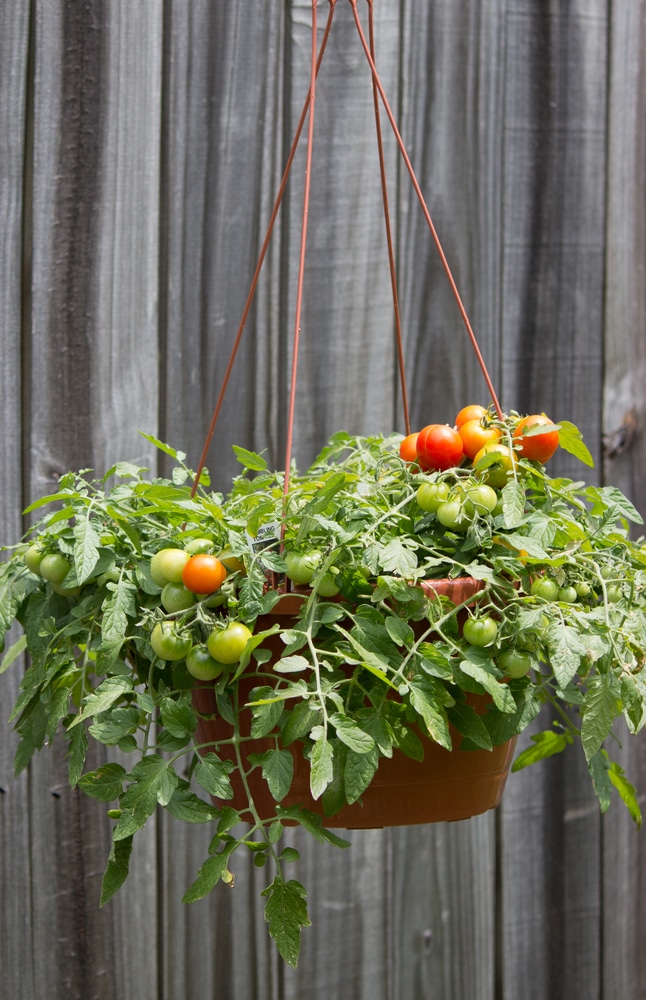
{"points": [[166, 448], [503, 699], [299, 721], [153, 780], [351, 734], [213, 775], [265, 715], [321, 769], [566, 647], [107, 693], [117, 868], [399, 631], [467, 721], [249, 459], [599, 712], [116, 608], [627, 792], [105, 783], [609, 497], [427, 697], [546, 744], [359, 771], [291, 665], [571, 440], [313, 823], [78, 744], [395, 557], [86, 548], [513, 503], [12, 654], [278, 771], [185, 805], [598, 766], [286, 915], [178, 718], [209, 874]]}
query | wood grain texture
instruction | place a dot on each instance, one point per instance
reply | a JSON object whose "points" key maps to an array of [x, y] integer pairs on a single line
{"points": [[141, 148]]}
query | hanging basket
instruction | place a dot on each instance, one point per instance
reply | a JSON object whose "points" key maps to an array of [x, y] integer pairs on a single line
{"points": [[446, 785]]}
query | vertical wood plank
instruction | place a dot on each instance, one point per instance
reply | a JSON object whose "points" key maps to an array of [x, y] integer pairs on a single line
{"points": [[552, 326], [16, 941], [624, 412]]}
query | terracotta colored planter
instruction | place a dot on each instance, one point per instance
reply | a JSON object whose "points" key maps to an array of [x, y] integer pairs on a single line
{"points": [[445, 786]]}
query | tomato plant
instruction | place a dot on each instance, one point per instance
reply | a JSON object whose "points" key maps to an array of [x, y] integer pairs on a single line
{"points": [[54, 567], [515, 663], [430, 495], [301, 566], [496, 462], [535, 446], [454, 516], [166, 566], [408, 448], [168, 642], [226, 645], [475, 435], [480, 631], [203, 574], [176, 597], [201, 665], [545, 587], [468, 413], [439, 447]]}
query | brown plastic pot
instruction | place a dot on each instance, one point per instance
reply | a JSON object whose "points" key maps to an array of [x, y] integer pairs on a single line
{"points": [[445, 786]]}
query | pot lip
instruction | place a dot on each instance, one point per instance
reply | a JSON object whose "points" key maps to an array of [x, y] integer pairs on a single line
{"points": [[457, 589]]}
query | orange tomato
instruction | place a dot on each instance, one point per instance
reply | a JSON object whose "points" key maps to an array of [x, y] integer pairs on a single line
{"points": [[475, 436], [408, 448], [537, 447], [203, 574], [471, 412]]}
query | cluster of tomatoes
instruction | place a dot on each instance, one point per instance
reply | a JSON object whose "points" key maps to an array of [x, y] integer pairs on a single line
{"points": [[476, 436], [186, 576]]}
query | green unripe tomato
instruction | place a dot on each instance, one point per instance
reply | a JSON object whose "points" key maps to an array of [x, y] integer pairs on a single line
{"points": [[166, 566], [168, 643], [546, 588], [614, 594], [201, 665], [480, 631], [33, 557], [301, 566], [430, 495], [226, 645], [481, 499], [515, 663], [176, 597], [453, 516], [197, 545], [582, 588], [54, 567], [327, 586], [568, 595]]}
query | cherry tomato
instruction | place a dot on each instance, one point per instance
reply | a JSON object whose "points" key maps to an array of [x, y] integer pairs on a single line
{"points": [[439, 447], [496, 471], [545, 587], [166, 566], [481, 499], [475, 436], [33, 557], [480, 631], [614, 594], [454, 516], [168, 643], [327, 586], [203, 574], [430, 495], [200, 664], [199, 545], [226, 645], [301, 566], [537, 447], [582, 588], [176, 597], [54, 567], [471, 412], [515, 663], [568, 595], [408, 448]]}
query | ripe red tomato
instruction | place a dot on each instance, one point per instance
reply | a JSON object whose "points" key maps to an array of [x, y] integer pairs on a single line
{"points": [[472, 412], [537, 447], [439, 447], [475, 436], [203, 574], [408, 448]]}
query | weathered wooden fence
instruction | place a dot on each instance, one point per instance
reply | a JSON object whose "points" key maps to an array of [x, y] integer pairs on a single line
{"points": [[141, 145]]}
